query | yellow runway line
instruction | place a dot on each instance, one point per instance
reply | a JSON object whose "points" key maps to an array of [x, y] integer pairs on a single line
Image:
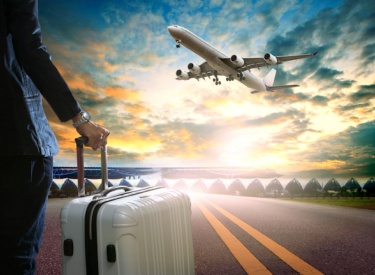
{"points": [[288, 257], [247, 260]]}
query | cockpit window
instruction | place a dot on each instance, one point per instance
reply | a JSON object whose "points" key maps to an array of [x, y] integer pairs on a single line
{"points": [[175, 26]]}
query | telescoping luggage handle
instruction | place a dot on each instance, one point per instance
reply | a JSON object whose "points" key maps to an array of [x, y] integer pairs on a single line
{"points": [[81, 167]]}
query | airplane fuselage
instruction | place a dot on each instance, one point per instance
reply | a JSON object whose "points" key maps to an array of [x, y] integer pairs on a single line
{"points": [[212, 56]]}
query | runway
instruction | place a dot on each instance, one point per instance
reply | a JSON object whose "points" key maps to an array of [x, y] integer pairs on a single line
{"points": [[246, 235]]}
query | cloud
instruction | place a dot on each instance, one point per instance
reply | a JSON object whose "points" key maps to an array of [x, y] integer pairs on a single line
{"points": [[274, 118], [350, 151], [268, 13], [351, 107], [368, 34], [329, 76], [286, 96], [326, 74], [136, 108], [366, 92], [368, 52], [363, 134], [121, 93], [76, 80], [319, 100], [288, 134], [243, 38]]}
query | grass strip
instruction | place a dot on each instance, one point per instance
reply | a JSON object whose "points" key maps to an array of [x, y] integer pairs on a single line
{"points": [[342, 201]]}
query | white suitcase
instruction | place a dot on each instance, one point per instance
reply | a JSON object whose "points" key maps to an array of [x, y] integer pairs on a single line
{"points": [[126, 230]]}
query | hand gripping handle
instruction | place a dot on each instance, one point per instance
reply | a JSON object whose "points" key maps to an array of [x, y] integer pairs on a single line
{"points": [[81, 168]]}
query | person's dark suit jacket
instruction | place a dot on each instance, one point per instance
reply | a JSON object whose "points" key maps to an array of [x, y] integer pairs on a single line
{"points": [[27, 73]]}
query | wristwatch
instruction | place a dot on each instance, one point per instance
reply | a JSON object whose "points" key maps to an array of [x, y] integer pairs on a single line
{"points": [[83, 119]]}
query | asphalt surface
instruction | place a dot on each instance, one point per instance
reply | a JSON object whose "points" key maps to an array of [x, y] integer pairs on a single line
{"points": [[332, 240]]}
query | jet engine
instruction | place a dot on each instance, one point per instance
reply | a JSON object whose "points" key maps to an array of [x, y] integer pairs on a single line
{"points": [[236, 60], [194, 68], [182, 75], [270, 59]]}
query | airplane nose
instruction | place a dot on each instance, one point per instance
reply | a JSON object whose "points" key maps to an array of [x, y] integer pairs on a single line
{"points": [[172, 31]]}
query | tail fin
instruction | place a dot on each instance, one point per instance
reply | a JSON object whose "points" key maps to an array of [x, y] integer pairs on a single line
{"points": [[270, 77]]}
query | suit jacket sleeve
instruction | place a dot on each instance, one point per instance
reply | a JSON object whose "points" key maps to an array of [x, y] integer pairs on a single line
{"points": [[36, 61]]}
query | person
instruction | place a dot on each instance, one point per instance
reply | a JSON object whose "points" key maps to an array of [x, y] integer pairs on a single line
{"points": [[28, 143]]}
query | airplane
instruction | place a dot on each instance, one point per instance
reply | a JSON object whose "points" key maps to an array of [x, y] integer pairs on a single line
{"points": [[232, 68]]}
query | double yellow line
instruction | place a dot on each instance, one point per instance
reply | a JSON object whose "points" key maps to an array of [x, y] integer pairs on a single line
{"points": [[247, 260]]}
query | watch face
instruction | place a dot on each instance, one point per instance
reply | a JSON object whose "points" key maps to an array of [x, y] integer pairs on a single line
{"points": [[86, 115]]}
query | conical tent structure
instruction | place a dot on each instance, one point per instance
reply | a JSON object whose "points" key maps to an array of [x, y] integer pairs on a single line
{"points": [[109, 185], [162, 182], [332, 185], [255, 188], [199, 186], [312, 186], [181, 185], [274, 185], [370, 186], [142, 183], [124, 182], [352, 184], [89, 186], [236, 187], [54, 186], [54, 190], [294, 186], [69, 188], [217, 187]]}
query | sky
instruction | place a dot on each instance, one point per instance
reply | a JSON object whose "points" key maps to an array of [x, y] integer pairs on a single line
{"points": [[120, 63]]}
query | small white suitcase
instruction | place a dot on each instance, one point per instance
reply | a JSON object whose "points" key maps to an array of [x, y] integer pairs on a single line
{"points": [[126, 230]]}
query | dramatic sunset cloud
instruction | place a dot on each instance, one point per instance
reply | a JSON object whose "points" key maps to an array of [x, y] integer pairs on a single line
{"points": [[120, 62]]}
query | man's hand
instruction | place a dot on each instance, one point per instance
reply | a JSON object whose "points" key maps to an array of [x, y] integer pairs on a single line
{"points": [[94, 132]]}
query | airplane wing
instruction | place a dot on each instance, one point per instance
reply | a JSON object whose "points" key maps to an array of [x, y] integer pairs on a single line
{"points": [[281, 87], [206, 67], [273, 88], [293, 57], [257, 62], [206, 71]]}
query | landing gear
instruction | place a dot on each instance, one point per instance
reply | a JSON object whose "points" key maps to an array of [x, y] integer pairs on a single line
{"points": [[230, 78], [240, 76], [178, 44], [216, 79]]}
